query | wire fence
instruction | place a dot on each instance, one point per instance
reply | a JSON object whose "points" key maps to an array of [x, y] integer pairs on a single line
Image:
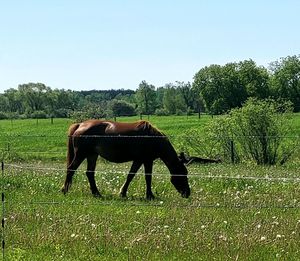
{"points": [[11, 168]]}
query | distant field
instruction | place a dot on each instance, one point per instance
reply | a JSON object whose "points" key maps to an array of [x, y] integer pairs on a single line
{"points": [[41, 140], [236, 212]]}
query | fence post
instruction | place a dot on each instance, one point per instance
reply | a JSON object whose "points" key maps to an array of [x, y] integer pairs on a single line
{"points": [[232, 151], [3, 212]]}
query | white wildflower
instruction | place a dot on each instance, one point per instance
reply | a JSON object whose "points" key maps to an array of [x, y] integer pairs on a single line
{"points": [[263, 238]]}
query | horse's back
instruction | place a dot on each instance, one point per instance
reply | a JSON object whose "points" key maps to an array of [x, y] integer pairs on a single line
{"points": [[103, 127], [118, 141]]}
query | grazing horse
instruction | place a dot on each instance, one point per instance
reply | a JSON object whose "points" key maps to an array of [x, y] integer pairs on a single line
{"points": [[118, 142]]}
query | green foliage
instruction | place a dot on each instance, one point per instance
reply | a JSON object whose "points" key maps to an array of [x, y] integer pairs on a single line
{"points": [[162, 112], [194, 142], [38, 115], [91, 111], [146, 98], [121, 108], [3, 115], [258, 130], [286, 80], [225, 87]]}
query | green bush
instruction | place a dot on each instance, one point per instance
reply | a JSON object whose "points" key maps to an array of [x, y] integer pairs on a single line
{"points": [[90, 111], [161, 112], [258, 130], [3, 115]]}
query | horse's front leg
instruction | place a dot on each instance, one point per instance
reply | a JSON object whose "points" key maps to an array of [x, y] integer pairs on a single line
{"points": [[90, 173], [133, 170], [148, 176]]}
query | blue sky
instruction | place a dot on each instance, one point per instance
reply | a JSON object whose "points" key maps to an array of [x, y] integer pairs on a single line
{"points": [[112, 44]]}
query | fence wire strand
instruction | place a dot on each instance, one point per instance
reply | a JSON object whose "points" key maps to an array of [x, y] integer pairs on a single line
{"points": [[194, 175]]}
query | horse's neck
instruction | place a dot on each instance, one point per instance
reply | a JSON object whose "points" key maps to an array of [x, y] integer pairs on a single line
{"points": [[168, 154]]}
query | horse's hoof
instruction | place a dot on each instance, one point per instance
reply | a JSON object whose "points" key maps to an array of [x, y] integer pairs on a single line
{"points": [[150, 197], [97, 195], [63, 190], [123, 195]]}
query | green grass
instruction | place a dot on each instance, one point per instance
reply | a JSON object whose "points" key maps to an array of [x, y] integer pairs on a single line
{"points": [[224, 219]]}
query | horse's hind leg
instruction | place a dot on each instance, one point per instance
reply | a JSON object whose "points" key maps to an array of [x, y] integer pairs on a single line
{"points": [[148, 176], [71, 171], [133, 170], [90, 173]]}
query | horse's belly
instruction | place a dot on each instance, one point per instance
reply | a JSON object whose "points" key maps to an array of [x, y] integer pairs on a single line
{"points": [[118, 154]]}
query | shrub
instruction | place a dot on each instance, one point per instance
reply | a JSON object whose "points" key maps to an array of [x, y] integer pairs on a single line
{"points": [[121, 108], [258, 130], [91, 111], [3, 115], [162, 112], [38, 115], [194, 142]]}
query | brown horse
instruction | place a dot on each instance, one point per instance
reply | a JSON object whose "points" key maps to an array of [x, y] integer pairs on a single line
{"points": [[139, 142]]}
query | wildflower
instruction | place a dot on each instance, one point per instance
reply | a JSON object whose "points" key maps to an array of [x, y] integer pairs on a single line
{"points": [[278, 236], [224, 238], [258, 226], [73, 235], [263, 238], [202, 226], [138, 212], [166, 226]]}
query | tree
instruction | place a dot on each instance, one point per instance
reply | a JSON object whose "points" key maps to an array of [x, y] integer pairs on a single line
{"points": [[121, 108], [146, 98], [34, 96], [220, 87], [225, 87], [169, 99], [255, 79], [15, 104], [286, 80], [187, 94], [173, 100]]}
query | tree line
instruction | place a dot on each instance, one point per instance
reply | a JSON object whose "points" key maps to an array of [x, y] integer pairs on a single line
{"points": [[215, 89]]}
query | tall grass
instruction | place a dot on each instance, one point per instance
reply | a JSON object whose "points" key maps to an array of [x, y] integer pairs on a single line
{"points": [[227, 217]]}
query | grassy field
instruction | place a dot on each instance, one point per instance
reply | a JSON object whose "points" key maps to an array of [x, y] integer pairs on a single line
{"points": [[226, 218]]}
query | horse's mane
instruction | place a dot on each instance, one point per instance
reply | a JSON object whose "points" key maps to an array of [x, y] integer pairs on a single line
{"points": [[150, 129]]}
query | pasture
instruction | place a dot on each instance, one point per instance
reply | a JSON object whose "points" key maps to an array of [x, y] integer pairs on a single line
{"points": [[235, 212]]}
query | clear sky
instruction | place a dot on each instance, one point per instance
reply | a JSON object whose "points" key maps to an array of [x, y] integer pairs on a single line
{"points": [[112, 44]]}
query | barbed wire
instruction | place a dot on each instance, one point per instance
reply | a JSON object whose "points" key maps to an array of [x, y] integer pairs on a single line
{"points": [[197, 175]]}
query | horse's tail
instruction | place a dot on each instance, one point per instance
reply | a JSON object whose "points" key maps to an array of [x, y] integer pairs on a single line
{"points": [[71, 152]]}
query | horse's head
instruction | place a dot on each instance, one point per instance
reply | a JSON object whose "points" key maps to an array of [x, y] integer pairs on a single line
{"points": [[179, 179]]}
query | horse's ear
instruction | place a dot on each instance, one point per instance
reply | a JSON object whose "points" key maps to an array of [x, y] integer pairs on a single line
{"points": [[181, 156]]}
